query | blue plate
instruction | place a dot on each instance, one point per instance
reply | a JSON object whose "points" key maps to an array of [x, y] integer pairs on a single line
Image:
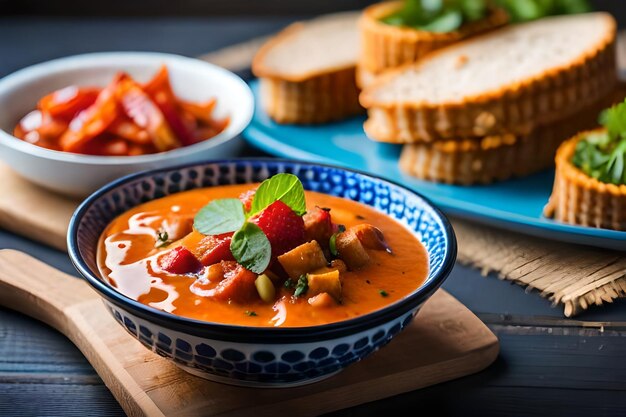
{"points": [[514, 205]]}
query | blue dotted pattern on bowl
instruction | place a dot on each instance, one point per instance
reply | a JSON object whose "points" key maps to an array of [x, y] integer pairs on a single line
{"points": [[258, 363]]}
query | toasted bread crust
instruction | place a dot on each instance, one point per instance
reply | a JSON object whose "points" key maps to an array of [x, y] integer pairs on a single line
{"points": [[320, 99], [580, 199], [516, 109], [493, 158], [384, 46], [496, 158]]}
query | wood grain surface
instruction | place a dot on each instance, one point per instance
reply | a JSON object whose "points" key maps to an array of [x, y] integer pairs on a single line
{"points": [[446, 341]]}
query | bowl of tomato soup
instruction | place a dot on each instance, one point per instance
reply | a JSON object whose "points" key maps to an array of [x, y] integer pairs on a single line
{"points": [[265, 273]]}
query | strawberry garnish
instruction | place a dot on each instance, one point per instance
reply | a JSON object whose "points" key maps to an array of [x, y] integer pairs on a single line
{"points": [[180, 261], [282, 226]]}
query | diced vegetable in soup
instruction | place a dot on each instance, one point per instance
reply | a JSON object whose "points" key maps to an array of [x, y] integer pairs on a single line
{"points": [[261, 255]]}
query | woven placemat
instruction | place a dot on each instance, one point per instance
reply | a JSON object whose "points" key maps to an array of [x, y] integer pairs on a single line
{"points": [[575, 277]]}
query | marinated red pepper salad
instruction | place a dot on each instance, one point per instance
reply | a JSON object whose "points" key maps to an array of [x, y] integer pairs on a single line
{"points": [[125, 118]]}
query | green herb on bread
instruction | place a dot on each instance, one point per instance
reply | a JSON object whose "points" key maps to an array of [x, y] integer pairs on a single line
{"points": [[442, 16], [602, 154]]}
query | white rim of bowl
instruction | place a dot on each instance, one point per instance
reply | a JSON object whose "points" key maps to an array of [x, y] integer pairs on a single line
{"points": [[87, 60]]}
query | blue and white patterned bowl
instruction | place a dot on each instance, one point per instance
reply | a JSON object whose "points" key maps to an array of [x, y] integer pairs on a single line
{"points": [[261, 356]]}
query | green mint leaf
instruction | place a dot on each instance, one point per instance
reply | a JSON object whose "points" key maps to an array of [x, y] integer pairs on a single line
{"points": [[251, 248], [250, 313], [284, 187], [383, 293], [220, 216]]}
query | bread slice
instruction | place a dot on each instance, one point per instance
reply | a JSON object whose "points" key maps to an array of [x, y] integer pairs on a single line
{"points": [[307, 71], [507, 81], [499, 157], [385, 46], [580, 199]]}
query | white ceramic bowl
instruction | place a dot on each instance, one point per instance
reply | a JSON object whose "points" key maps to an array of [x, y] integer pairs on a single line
{"points": [[80, 175]]}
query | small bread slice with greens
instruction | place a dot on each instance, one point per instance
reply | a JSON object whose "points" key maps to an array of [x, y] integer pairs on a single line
{"points": [[307, 71], [508, 81], [590, 180], [399, 32], [497, 157]]}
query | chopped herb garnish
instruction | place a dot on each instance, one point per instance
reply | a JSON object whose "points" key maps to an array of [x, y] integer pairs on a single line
{"points": [[302, 286], [162, 239], [250, 313], [383, 293], [341, 228], [289, 283], [602, 155]]}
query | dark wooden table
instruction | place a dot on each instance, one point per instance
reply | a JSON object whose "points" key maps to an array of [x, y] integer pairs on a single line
{"points": [[548, 365]]}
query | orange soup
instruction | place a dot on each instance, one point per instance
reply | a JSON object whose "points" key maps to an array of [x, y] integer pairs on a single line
{"points": [[339, 260]]}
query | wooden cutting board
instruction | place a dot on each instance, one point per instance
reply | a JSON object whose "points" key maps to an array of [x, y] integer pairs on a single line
{"points": [[446, 341]]}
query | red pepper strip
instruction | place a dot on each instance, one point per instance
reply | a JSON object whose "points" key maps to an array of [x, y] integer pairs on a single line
{"points": [[107, 146], [126, 129], [68, 102], [202, 112], [92, 121], [160, 82], [144, 113], [168, 108], [160, 90]]}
